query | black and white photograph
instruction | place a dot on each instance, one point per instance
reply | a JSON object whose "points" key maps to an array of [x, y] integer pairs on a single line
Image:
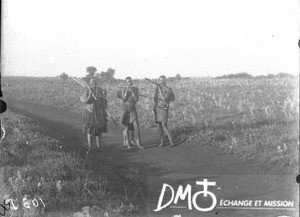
{"points": [[149, 108]]}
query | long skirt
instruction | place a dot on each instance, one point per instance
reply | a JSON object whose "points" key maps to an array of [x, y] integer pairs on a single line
{"points": [[94, 123]]}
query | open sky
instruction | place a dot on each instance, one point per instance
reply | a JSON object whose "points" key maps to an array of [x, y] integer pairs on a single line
{"points": [[147, 38]]}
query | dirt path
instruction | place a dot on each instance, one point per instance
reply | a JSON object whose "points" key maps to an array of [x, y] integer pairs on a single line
{"points": [[145, 171]]}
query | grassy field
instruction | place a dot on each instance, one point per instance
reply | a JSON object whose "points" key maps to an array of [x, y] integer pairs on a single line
{"points": [[38, 178], [254, 118]]}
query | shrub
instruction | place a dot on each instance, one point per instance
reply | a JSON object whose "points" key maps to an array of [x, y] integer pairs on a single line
{"points": [[63, 76]]}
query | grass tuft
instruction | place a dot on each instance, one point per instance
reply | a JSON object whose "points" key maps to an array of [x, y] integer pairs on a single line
{"points": [[35, 170]]}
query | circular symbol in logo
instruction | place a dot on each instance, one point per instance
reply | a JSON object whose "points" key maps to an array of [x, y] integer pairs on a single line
{"points": [[2, 106]]}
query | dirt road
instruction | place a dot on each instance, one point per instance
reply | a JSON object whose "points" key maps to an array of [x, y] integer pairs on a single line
{"points": [[145, 171]]}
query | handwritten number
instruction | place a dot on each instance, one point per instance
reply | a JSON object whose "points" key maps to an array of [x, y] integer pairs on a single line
{"points": [[42, 202], [26, 203], [11, 202], [35, 202]]}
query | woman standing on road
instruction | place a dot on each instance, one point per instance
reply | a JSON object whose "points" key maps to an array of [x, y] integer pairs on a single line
{"points": [[130, 96], [162, 97], [94, 113]]}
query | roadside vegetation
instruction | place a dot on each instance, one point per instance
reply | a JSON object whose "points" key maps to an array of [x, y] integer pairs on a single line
{"points": [[255, 119], [39, 178]]}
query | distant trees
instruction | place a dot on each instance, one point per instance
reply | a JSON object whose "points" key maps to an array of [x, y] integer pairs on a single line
{"points": [[265, 76], [279, 75], [178, 77], [109, 75], [244, 75], [63, 76], [284, 75]]}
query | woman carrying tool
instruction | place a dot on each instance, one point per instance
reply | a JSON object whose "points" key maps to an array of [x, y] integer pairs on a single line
{"points": [[94, 113], [130, 96], [163, 95]]}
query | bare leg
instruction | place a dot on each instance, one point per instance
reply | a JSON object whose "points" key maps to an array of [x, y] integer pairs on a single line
{"points": [[125, 139], [98, 140], [126, 133], [131, 137], [137, 134], [161, 134], [89, 140], [137, 129], [166, 129]]}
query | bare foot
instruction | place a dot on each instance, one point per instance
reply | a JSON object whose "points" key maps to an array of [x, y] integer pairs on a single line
{"points": [[138, 143]]}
